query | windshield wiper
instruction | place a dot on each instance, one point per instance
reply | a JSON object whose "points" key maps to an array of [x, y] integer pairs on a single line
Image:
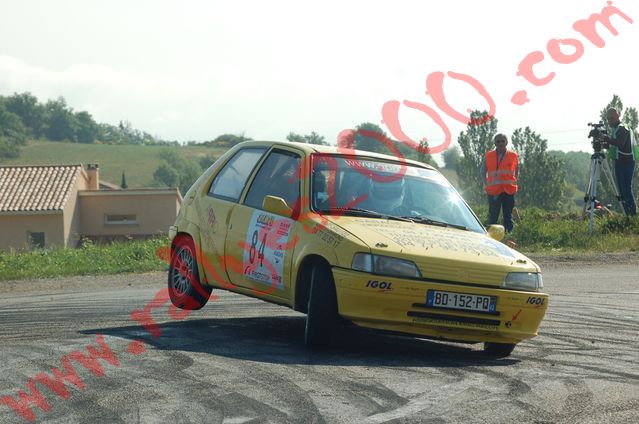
{"points": [[364, 213], [429, 221]]}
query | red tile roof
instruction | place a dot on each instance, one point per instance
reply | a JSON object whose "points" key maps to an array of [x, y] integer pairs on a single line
{"points": [[36, 188]]}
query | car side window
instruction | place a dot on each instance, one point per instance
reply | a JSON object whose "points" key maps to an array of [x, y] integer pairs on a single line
{"points": [[278, 176], [230, 181]]}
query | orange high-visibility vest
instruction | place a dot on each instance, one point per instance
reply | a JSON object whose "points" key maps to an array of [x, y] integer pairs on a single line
{"points": [[502, 178]]}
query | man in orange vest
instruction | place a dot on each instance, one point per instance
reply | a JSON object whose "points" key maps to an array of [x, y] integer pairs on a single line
{"points": [[500, 170]]}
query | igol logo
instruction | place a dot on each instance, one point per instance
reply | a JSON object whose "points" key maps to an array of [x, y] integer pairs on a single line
{"points": [[382, 285]]}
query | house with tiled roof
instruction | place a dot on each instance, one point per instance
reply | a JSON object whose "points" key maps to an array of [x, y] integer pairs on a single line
{"points": [[57, 205]]}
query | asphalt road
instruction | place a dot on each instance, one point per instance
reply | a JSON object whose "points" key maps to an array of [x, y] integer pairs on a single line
{"points": [[241, 360]]}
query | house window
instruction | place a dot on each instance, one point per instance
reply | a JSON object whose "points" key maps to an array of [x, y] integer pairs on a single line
{"points": [[120, 219], [35, 240]]}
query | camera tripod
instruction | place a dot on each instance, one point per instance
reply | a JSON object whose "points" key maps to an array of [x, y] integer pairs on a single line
{"points": [[598, 165]]}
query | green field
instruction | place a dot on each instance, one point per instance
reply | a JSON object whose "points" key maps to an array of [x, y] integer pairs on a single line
{"points": [[137, 162]]}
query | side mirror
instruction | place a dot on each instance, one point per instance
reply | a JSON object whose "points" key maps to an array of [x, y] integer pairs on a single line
{"points": [[496, 232], [277, 205]]}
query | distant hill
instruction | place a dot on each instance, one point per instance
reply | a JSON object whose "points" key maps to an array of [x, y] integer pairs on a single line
{"points": [[137, 161]]}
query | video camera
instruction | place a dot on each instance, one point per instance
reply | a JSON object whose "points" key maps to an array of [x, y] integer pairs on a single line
{"points": [[596, 131]]}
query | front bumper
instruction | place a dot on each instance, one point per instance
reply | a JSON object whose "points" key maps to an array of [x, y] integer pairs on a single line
{"points": [[400, 305]]}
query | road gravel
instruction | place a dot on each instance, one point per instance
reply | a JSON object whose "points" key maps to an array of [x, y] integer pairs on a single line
{"points": [[241, 360]]}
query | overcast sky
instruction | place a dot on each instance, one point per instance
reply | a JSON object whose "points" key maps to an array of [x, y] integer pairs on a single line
{"points": [[192, 70]]}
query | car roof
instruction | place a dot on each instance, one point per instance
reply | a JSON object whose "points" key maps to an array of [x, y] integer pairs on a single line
{"points": [[316, 148]]}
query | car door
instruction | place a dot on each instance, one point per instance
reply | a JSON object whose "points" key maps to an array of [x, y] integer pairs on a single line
{"points": [[214, 208], [262, 240]]}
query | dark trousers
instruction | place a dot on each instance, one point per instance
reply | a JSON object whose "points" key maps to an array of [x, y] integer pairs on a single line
{"points": [[504, 202], [623, 173]]}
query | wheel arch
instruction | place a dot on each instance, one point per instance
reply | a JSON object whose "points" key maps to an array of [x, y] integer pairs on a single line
{"points": [[195, 238], [303, 280]]}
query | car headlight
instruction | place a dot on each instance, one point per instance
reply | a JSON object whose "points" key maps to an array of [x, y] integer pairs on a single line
{"points": [[385, 265], [531, 281]]}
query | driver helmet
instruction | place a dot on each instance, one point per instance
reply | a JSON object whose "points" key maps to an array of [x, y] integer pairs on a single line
{"points": [[387, 195]]}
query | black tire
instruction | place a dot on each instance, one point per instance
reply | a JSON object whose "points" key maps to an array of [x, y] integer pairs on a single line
{"points": [[321, 315], [498, 350], [185, 289]]}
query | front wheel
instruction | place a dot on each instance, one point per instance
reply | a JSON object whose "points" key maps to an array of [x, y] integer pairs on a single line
{"points": [[498, 350], [321, 316], [185, 289]]}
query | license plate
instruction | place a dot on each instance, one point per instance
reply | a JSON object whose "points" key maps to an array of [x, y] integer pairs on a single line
{"points": [[461, 301]]}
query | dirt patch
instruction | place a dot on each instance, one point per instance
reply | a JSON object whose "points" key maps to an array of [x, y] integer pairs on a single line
{"points": [[90, 282]]}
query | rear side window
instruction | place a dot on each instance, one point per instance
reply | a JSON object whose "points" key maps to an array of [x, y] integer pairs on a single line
{"points": [[230, 181]]}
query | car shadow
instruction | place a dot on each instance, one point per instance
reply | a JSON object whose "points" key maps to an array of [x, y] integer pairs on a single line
{"points": [[280, 340]]}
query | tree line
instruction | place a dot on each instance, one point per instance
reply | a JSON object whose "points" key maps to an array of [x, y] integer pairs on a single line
{"points": [[23, 117]]}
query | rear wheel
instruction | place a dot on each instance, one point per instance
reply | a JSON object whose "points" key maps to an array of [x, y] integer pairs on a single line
{"points": [[185, 289], [498, 350], [321, 316]]}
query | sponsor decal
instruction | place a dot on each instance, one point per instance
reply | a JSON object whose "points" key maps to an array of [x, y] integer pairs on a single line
{"points": [[516, 315], [534, 300], [381, 285], [267, 240]]}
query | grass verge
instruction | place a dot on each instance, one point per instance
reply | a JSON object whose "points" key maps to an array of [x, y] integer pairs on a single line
{"points": [[543, 232], [116, 258]]}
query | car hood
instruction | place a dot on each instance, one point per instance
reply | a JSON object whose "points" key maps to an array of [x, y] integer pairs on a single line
{"points": [[440, 253]]}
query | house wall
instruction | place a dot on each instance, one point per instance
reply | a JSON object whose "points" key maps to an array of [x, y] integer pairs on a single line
{"points": [[154, 213], [72, 212], [14, 229]]}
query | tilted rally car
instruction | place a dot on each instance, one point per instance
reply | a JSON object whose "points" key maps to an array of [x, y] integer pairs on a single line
{"points": [[348, 235]]}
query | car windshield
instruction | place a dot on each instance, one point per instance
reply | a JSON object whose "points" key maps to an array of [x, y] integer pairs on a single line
{"points": [[349, 185]]}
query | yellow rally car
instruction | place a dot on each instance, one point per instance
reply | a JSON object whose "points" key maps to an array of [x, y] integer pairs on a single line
{"points": [[352, 236]]}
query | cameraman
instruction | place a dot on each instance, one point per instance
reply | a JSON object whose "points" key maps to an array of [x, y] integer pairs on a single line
{"points": [[622, 151]]}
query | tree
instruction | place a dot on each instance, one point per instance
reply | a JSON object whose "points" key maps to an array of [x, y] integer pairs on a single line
{"points": [[295, 138], [315, 138], [370, 144], [166, 175], [312, 138], [107, 133], [176, 171], [451, 157], [87, 129], [13, 134], [541, 177], [206, 161], [230, 140], [576, 166], [30, 111], [630, 119], [423, 153], [11, 127], [8, 150], [474, 143], [61, 122], [123, 183]]}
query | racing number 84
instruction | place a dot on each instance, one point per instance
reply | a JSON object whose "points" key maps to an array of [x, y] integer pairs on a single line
{"points": [[255, 249]]}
